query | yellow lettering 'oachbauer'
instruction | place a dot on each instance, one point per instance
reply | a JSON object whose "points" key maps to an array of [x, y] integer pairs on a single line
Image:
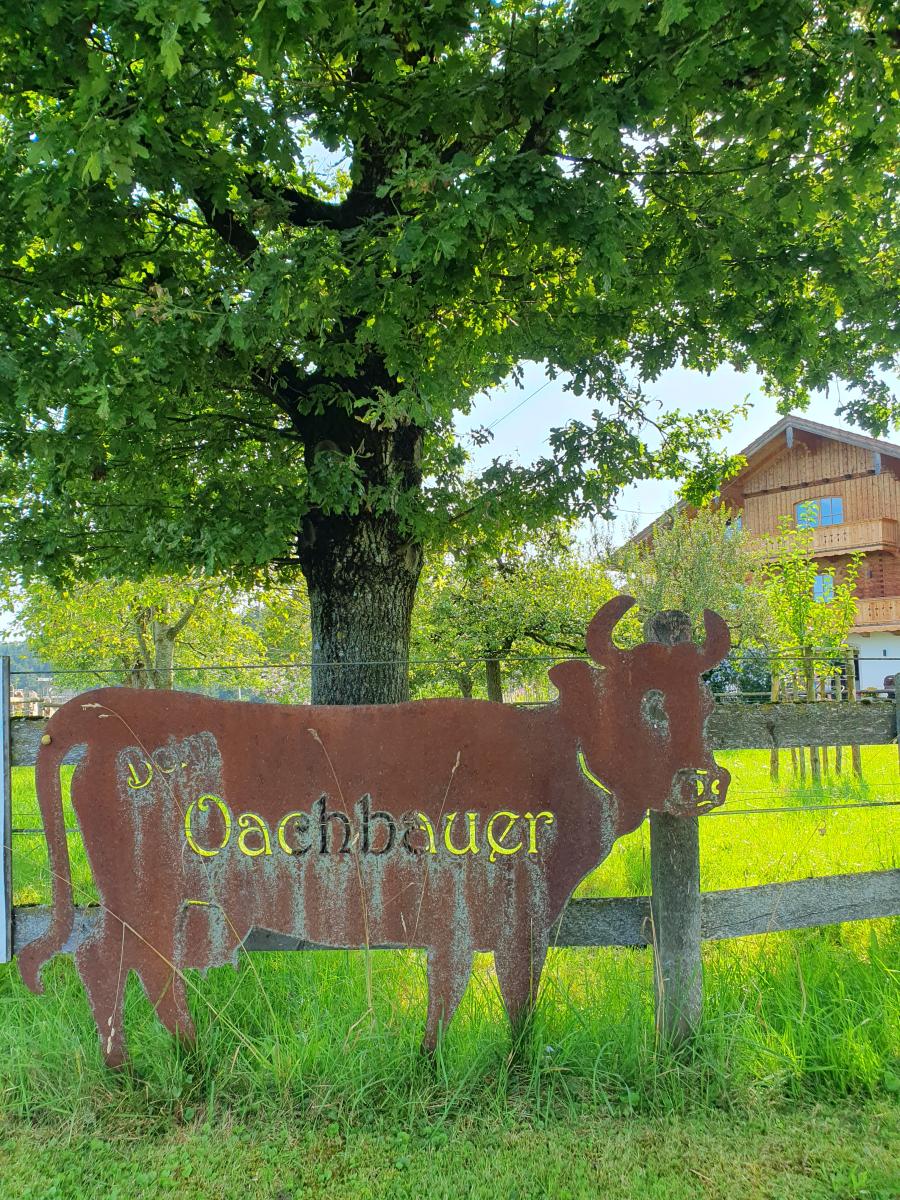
{"points": [[471, 846], [251, 822], [497, 830], [282, 831], [428, 828], [532, 820], [202, 805], [496, 843]]}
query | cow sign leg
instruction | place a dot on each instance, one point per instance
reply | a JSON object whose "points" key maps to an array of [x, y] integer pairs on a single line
{"points": [[449, 970], [166, 992], [519, 975], [103, 965]]}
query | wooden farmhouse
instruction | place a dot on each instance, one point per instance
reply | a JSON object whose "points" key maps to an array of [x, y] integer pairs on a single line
{"points": [[846, 488]]}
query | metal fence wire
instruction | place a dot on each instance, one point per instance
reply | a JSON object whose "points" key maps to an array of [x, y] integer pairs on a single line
{"points": [[785, 675]]}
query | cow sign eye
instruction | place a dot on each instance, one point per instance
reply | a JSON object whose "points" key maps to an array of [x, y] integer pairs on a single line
{"points": [[653, 710]]}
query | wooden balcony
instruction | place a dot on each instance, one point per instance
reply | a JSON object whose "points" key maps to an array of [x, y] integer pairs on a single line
{"points": [[881, 615], [879, 533], [828, 541]]}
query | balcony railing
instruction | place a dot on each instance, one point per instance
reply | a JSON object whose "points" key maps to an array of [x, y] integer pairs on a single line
{"points": [[878, 613], [878, 533]]}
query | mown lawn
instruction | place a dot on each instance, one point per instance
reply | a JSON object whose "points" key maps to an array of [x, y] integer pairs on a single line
{"points": [[846, 1152], [295, 1088]]}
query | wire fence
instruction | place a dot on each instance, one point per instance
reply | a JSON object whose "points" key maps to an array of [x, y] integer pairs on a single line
{"points": [[537, 693], [412, 661]]}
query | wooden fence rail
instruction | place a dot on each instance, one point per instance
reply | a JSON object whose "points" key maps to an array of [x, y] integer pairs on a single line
{"points": [[626, 920], [674, 920]]}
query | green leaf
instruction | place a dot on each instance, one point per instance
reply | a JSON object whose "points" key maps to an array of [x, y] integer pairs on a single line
{"points": [[170, 51], [672, 12], [92, 167]]}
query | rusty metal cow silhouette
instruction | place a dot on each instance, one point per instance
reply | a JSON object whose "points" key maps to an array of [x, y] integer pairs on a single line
{"points": [[452, 825]]}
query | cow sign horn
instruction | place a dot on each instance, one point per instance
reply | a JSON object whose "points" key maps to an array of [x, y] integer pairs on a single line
{"points": [[599, 633], [718, 640]]}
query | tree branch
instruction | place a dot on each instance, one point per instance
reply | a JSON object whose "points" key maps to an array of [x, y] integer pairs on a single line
{"points": [[305, 210], [552, 643], [174, 630], [232, 231]]}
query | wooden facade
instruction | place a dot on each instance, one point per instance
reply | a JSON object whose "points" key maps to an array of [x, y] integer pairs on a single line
{"points": [[798, 462]]}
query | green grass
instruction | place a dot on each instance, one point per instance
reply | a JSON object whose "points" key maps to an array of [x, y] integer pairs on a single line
{"points": [[832, 1152], [747, 850], [294, 1088]]}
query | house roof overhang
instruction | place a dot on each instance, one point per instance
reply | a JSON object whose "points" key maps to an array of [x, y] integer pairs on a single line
{"points": [[785, 434]]}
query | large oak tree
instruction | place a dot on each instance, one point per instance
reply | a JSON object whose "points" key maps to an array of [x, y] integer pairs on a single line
{"points": [[256, 254]]}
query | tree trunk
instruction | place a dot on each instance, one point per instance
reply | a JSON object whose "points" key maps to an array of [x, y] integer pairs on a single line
{"points": [[494, 680], [136, 674], [466, 684], [157, 642], [163, 673], [361, 575]]}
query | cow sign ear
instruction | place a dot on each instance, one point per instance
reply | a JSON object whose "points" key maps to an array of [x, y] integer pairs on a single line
{"points": [[569, 676]]}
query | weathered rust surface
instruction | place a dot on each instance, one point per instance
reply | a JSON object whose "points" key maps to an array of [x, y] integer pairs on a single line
{"points": [[452, 825]]}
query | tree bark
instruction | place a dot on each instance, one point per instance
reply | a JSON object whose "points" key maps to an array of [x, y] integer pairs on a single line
{"points": [[466, 684], [361, 567], [361, 575], [494, 680], [163, 673], [136, 674]]}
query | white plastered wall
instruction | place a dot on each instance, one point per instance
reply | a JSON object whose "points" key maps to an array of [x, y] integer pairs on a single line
{"points": [[879, 655]]}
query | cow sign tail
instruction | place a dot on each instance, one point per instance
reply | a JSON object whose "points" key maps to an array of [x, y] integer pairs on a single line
{"points": [[49, 760]]}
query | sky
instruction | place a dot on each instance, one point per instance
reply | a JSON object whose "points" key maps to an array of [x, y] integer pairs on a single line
{"points": [[520, 430]]}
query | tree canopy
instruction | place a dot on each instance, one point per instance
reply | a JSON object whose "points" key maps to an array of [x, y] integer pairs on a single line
{"points": [[193, 632], [693, 561], [256, 255], [480, 614]]}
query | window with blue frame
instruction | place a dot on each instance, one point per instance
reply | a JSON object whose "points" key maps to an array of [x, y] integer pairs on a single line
{"points": [[823, 588], [811, 514], [734, 525]]}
